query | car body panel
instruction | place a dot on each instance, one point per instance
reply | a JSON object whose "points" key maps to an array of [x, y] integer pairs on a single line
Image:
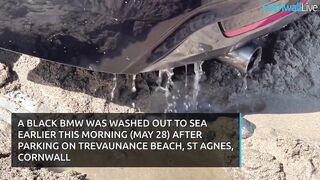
{"points": [[117, 36]]}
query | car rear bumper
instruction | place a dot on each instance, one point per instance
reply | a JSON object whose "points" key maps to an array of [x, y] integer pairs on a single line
{"points": [[210, 42], [128, 38]]}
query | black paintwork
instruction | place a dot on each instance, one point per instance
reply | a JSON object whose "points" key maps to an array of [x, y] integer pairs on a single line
{"points": [[118, 36]]}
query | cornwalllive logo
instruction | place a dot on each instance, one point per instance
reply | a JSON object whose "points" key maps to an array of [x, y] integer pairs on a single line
{"points": [[301, 6]]}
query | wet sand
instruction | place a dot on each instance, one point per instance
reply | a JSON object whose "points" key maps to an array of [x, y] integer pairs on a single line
{"points": [[155, 173], [283, 146], [305, 125]]}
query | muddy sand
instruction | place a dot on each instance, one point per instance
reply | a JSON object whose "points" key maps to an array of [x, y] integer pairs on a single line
{"points": [[284, 145]]}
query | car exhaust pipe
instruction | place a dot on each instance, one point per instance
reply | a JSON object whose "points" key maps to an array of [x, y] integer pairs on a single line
{"points": [[245, 58]]}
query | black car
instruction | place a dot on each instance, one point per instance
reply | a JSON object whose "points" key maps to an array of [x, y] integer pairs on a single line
{"points": [[133, 36]]}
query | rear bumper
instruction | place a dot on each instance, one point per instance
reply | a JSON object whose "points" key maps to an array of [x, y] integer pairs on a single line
{"points": [[210, 42], [128, 39]]}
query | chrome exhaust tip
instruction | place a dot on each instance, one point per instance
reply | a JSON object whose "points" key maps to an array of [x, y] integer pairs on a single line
{"points": [[245, 58]]}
